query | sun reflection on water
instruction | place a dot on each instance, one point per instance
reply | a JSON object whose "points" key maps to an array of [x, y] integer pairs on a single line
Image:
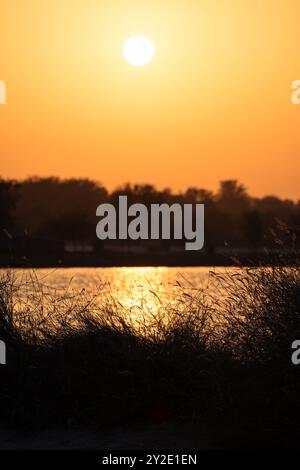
{"points": [[143, 293]]}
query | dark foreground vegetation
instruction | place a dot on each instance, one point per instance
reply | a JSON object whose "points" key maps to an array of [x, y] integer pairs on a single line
{"points": [[218, 359]]}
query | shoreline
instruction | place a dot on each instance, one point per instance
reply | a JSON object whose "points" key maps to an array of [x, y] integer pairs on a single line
{"points": [[109, 260]]}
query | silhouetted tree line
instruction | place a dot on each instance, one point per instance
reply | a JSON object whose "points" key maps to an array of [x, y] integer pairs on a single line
{"points": [[59, 210]]}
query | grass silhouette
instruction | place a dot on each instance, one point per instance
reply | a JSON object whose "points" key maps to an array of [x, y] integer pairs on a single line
{"points": [[215, 357]]}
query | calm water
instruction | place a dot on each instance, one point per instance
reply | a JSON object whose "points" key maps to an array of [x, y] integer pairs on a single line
{"points": [[128, 285]]}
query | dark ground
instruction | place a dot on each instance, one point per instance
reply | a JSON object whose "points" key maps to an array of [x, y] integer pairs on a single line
{"points": [[168, 436]]}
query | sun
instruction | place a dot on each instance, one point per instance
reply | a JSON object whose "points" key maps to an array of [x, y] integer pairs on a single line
{"points": [[138, 51]]}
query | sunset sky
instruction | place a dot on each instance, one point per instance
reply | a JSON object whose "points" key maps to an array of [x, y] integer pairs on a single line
{"points": [[214, 103]]}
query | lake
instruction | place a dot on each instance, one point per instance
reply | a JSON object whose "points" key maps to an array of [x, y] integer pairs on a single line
{"points": [[130, 285]]}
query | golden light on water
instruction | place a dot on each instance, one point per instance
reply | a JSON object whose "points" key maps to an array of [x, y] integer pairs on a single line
{"points": [[133, 287], [144, 297]]}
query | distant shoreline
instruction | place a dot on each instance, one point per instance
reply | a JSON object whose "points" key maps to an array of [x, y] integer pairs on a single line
{"points": [[67, 260]]}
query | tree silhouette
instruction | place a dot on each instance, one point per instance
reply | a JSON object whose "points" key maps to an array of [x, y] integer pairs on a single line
{"points": [[55, 209]]}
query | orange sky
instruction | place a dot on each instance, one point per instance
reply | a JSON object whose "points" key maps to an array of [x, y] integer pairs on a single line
{"points": [[215, 103]]}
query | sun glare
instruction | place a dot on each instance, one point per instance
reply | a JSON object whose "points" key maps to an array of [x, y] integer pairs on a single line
{"points": [[138, 51]]}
